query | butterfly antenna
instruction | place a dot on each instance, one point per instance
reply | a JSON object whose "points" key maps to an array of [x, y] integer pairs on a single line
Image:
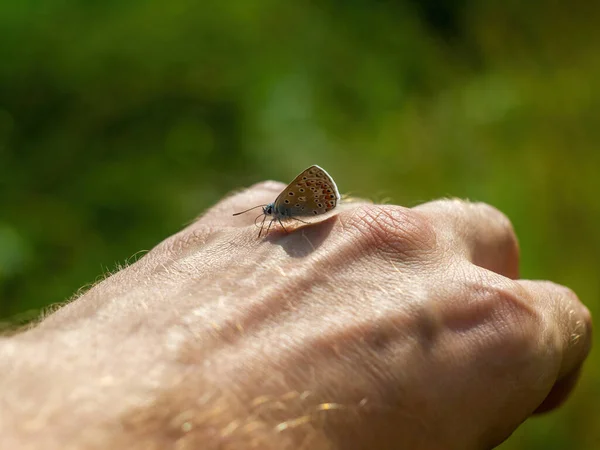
{"points": [[249, 209]]}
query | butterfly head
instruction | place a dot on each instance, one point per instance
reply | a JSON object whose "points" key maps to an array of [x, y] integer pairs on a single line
{"points": [[268, 209]]}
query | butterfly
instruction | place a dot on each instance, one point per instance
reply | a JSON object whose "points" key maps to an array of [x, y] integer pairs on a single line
{"points": [[311, 193]]}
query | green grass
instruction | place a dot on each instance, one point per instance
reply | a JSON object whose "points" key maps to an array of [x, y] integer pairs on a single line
{"points": [[121, 121]]}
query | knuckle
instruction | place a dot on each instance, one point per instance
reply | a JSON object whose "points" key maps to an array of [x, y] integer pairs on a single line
{"points": [[586, 317], [516, 325], [466, 214], [516, 307], [564, 291], [392, 228], [570, 314], [467, 208], [531, 341], [493, 213], [500, 221]]}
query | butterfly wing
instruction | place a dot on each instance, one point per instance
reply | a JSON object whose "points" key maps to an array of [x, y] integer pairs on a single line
{"points": [[311, 193]]}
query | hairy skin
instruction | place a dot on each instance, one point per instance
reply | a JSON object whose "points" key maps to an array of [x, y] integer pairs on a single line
{"points": [[377, 327]]}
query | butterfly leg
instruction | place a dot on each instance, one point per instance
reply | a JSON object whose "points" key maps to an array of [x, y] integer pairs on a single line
{"points": [[269, 227], [262, 224], [295, 218], [281, 223]]}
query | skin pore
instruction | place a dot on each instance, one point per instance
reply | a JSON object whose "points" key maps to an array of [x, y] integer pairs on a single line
{"points": [[375, 327]]}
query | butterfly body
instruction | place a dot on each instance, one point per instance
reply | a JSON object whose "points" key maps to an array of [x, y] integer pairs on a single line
{"points": [[311, 193]]}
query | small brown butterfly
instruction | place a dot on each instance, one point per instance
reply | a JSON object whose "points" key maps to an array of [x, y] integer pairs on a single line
{"points": [[311, 193]]}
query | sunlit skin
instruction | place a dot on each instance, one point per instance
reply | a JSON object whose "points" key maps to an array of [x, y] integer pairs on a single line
{"points": [[375, 327]]}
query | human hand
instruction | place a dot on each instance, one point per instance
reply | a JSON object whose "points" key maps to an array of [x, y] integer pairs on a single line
{"points": [[377, 327]]}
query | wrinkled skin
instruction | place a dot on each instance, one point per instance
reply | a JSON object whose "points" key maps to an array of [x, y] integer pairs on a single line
{"points": [[375, 327]]}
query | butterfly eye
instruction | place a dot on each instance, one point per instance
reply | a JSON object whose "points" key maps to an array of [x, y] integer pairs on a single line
{"points": [[320, 205], [290, 193], [315, 211], [301, 189], [286, 200]]}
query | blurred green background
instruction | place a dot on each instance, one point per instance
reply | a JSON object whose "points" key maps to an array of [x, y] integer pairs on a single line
{"points": [[122, 120]]}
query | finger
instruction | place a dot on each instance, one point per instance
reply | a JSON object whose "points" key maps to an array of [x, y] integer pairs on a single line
{"points": [[482, 233], [559, 393], [570, 325], [259, 194]]}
